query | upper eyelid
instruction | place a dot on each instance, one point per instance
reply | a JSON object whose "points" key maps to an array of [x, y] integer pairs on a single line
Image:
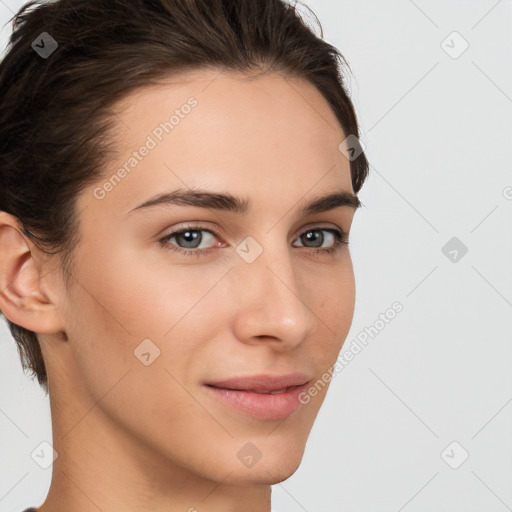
{"points": [[191, 227], [214, 232], [201, 227]]}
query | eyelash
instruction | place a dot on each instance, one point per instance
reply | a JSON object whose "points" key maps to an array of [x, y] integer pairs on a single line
{"points": [[340, 240]]}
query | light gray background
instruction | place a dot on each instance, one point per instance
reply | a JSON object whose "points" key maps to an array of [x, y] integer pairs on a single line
{"points": [[437, 131]]}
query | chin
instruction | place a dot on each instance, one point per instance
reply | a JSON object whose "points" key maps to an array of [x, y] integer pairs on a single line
{"points": [[270, 470]]}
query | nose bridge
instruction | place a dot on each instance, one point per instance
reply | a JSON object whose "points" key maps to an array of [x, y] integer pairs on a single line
{"points": [[271, 298]]}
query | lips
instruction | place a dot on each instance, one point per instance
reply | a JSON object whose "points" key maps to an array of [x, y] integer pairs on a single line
{"points": [[263, 383], [275, 392], [268, 406]]}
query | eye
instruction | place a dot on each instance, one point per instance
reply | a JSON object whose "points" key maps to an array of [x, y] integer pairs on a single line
{"points": [[315, 236], [187, 241]]}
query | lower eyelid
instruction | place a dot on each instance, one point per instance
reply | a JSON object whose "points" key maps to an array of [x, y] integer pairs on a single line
{"points": [[166, 238], [339, 235], [336, 233]]}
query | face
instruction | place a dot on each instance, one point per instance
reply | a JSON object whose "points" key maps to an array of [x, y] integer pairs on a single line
{"points": [[171, 295]]}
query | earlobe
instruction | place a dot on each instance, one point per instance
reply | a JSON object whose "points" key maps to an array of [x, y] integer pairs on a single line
{"points": [[22, 300]]}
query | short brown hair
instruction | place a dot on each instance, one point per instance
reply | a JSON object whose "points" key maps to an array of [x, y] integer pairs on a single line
{"points": [[55, 112]]}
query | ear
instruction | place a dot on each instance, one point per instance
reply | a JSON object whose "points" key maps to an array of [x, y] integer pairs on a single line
{"points": [[23, 299]]}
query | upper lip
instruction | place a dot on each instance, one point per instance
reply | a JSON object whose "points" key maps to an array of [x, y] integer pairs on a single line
{"points": [[263, 382]]}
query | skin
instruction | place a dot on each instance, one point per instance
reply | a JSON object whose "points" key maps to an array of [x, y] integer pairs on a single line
{"points": [[131, 437]]}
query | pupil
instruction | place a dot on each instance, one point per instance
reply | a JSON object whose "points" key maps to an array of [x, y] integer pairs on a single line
{"points": [[191, 237], [315, 236]]}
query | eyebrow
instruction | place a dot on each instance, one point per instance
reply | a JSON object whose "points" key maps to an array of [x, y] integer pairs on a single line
{"points": [[230, 203]]}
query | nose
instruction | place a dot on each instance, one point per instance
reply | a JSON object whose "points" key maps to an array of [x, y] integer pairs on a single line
{"points": [[271, 301]]}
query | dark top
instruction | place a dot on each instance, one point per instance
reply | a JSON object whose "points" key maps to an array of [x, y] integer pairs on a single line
{"points": [[30, 510]]}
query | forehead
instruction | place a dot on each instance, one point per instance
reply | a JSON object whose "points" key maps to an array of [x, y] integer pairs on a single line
{"points": [[225, 130]]}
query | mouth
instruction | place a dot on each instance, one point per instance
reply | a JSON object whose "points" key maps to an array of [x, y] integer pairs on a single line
{"points": [[263, 397], [259, 391], [263, 383]]}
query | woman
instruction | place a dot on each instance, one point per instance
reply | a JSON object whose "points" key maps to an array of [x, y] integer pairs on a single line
{"points": [[178, 179]]}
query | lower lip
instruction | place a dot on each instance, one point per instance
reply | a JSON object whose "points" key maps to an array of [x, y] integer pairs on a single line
{"points": [[262, 406]]}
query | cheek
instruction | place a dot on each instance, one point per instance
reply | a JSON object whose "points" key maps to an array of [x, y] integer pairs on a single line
{"points": [[335, 302], [122, 309], [145, 294], [123, 316]]}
